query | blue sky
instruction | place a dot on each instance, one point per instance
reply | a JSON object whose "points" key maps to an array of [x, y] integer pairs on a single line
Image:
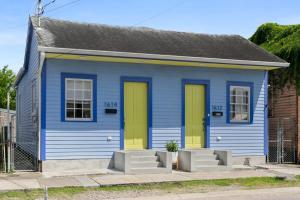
{"points": [[203, 16]]}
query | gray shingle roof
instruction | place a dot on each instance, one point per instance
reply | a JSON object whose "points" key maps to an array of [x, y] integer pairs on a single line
{"points": [[74, 35]]}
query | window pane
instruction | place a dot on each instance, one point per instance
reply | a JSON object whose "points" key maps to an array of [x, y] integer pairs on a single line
{"points": [[79, 94], [78, 104], [239, 91], [87, 95], [70, 84], [78, 85], [87, 113], [233, 91], [70, 94], [87, 104], [70, 113], [232, 115], [238, 108], [232, 99], [238, 116], [239, 99], [70, 104], [245, 100], [244, 108], [245, 116], [232, 108], [78, 113], [87, 85]]}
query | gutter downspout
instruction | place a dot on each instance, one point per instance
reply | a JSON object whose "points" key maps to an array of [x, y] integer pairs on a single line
{"points": [[41, 64]]}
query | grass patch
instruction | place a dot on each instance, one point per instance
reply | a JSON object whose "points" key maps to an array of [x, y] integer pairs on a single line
{"points": [[199, 185]]}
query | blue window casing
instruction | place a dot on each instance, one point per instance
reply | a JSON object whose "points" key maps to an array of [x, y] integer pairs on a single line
{"points": [[242, 84], [63, 105], [147, 80], [206, 83]]}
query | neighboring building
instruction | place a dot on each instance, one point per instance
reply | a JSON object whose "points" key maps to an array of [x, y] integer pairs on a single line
{"points": [[4, 135], [4, 121], [284, 121], [88, 90]]}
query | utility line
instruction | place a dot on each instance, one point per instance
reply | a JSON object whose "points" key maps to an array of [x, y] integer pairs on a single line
{"points": [[160, 13], [62, 6]]}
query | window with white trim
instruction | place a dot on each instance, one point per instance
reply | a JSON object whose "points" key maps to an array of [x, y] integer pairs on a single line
{"points": [[79, 99], [239, 104]]}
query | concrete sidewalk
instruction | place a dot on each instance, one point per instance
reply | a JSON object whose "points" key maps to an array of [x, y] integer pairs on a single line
{"points": [[284, 169], [34, 180]]}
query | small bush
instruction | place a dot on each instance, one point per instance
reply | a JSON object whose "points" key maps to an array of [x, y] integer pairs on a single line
{"points": [[172, 146]]}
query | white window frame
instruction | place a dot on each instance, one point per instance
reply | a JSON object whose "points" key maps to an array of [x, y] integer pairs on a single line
{"points": [[66, 100], [248, 89]]}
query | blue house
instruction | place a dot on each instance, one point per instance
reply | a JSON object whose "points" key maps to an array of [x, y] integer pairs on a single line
{"points": [[91, 91]]}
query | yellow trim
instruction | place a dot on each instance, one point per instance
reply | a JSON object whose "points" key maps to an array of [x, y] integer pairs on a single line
{"points": [[152, 61]]}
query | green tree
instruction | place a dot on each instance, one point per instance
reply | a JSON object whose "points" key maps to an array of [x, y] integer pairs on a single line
{"points": [[283, 41], [7, 79]]}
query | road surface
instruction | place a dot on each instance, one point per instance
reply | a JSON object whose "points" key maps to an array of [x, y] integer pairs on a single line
{"points": [[290, 193]]}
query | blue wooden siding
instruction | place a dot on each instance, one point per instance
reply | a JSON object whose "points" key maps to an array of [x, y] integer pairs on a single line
{"points": [[26, 126], [89, 140]]}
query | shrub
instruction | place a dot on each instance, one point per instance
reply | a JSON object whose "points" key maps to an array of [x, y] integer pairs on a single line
{"points": [[172, 146]]}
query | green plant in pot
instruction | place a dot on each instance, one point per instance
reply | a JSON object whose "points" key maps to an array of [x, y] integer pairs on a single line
{"points": [[172, 146]]}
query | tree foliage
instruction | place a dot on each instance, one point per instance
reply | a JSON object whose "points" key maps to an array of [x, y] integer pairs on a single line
{"points": [[7, 79], [283, 41]]}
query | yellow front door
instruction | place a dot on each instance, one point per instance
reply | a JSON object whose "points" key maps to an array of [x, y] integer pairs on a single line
{"points": [[194, 116], [135, 115]]}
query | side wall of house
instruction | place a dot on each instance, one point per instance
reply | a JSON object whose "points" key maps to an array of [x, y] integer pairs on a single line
{"points": [[27, 103], [89, 140]]}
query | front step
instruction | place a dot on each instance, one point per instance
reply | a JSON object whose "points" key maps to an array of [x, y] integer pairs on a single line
{"points": [[143, 162], [142, 153], [144, 158], [207, 162], [204, 160], [146, 164]]}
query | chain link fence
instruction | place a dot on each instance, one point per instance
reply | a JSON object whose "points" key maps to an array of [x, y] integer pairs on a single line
{"points": [[24, 155], [282, 140], [16, 153]]}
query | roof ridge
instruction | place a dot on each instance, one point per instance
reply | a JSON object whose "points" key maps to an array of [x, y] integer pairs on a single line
{"points": [[141, 28]]}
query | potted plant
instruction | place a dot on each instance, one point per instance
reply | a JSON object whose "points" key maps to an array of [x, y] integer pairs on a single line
{"points": [[172, 147]]}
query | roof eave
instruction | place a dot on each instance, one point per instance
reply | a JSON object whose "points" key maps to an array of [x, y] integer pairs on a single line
{"points": [[161, 57]]}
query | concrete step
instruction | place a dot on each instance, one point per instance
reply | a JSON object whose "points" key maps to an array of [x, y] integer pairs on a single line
{"points": [[148, 164], [206, 157], [207, 162], [150, 170], [144, 158], [142, 153]]}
